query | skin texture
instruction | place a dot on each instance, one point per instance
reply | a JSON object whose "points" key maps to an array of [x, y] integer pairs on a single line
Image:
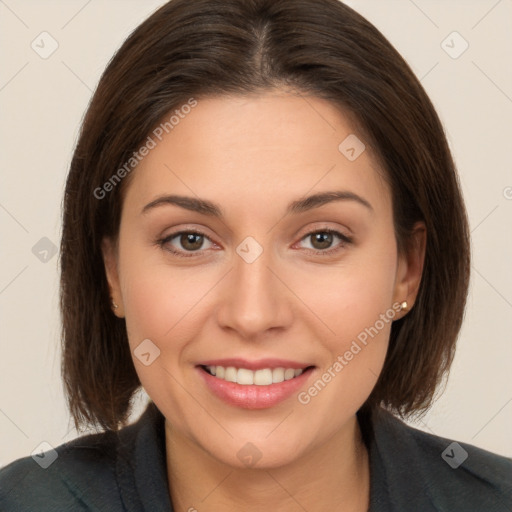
{"points": [[252, 156]]}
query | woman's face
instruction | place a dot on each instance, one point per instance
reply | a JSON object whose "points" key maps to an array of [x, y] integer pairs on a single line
{"points": [[271, 282]]}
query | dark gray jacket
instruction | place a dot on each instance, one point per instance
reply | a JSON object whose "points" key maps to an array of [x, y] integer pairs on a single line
{"points": [[126, 471]]}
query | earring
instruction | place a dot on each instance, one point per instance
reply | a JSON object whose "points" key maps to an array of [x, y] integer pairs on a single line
{"points": [[114, 305], [404, 306]]}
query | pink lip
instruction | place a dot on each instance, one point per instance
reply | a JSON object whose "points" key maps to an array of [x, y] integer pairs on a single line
{"points": [[253, 396], [255, 365]]}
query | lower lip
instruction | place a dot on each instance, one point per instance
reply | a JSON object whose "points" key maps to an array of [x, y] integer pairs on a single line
{"points": [[253, 396]]}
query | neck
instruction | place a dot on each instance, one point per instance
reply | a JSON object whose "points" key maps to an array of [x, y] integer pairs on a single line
{"points": [[334, 475]]}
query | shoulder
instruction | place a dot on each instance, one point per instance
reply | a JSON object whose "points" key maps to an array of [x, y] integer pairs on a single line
{"points": [[78, 475], [446, 474], [114, 471]]}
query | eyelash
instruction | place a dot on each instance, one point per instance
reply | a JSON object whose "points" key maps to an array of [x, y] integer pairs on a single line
{"points": [[345, 240]]}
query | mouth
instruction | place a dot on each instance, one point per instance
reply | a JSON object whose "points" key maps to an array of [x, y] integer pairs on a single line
{"points": [[254, 385], [248, 377]]}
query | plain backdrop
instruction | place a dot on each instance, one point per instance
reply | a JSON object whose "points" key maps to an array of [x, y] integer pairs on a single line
{"points": [[468, 75]]}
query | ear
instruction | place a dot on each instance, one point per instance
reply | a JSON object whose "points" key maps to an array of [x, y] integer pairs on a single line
{"points": [[110, 260], [410, 267]]}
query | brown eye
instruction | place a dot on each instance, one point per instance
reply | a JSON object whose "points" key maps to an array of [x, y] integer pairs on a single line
{"points": [[321, 240], [185, 243], [191, 241]]}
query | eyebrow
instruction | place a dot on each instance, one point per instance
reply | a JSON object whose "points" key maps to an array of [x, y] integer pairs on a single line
{"points": [[212, 209]]}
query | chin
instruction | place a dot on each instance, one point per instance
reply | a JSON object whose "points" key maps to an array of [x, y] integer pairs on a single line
{"points": [[261, 451]]}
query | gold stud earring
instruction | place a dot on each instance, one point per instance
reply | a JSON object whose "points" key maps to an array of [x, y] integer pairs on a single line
{"points": [[404, 306]]}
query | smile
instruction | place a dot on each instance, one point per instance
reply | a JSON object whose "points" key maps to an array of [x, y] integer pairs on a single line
{"points": [[247, 377], [263, 386]]}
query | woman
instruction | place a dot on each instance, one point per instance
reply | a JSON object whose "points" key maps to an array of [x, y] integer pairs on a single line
{"points": [[263, 227]]}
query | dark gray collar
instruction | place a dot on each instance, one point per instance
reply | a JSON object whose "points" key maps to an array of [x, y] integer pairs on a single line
{"points": [[407, 469], [141, 464]]}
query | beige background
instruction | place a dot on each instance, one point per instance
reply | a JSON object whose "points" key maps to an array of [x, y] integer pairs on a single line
{"points": [[42, 102]]}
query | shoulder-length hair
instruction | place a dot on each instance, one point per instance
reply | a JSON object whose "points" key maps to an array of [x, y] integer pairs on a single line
{"points": [[193, 49]]}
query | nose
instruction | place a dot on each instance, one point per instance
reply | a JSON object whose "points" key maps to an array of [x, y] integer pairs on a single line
{"points": [[255, 299]]}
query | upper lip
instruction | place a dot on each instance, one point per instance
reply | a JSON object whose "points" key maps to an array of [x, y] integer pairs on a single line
{"points": [[255, 365]]}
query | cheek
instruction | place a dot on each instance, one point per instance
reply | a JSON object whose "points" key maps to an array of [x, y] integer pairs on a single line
{"points": [[152, 303], [156, 307], [352, 295], [163, 305], [368, 311], [357, 307], [157, 298]]}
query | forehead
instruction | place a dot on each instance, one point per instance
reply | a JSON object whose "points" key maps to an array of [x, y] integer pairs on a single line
{"points": [[257, 151]]}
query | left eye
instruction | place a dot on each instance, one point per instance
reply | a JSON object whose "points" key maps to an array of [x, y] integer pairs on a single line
{"points": [[322, 240]]}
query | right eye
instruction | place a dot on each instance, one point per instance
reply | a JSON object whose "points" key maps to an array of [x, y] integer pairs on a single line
{"points": [[190, 241]]}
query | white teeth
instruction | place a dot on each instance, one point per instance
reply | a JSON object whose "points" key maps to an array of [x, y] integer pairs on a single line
{"points": [[278, 375], [230, 374], [289, 373], [246, 377], [263, 377]]}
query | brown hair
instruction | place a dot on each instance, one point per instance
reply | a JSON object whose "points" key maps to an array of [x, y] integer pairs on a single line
{"points": [[213, 47]]}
